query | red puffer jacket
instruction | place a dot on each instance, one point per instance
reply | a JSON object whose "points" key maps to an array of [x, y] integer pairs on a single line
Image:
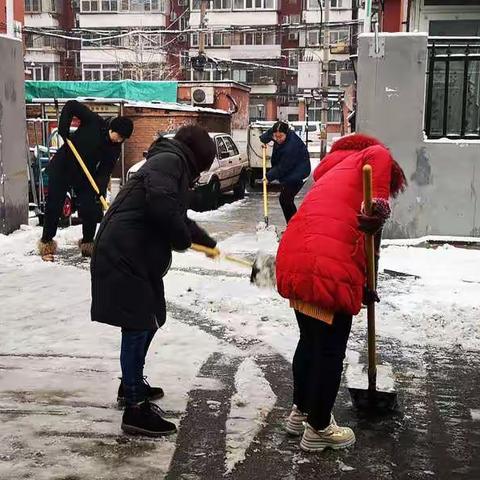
{"points": [[321, 257]]}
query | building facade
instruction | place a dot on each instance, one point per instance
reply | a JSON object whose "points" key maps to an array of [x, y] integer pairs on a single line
{"points": [[48, 54]]}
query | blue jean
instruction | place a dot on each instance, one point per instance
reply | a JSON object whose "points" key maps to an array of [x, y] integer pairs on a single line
{"points": [[135, 344]]}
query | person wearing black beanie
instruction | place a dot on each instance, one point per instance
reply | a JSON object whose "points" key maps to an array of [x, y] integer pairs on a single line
{"points": [[290, 164], [99, 142]]}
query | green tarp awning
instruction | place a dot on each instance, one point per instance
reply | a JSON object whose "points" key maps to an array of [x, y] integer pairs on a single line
{"points": [[125, 89]]}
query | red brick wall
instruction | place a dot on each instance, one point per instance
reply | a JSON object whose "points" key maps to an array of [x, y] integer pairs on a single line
{"points": [[392, 16], [18, 13], [240, 95], [148, 122]]}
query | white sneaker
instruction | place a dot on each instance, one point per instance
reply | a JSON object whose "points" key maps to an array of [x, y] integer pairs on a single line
{"points": [[295, 421], [333, 436]]}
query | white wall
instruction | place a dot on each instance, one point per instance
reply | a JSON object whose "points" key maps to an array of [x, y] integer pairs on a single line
{"points": [[41, 20], [266, 52], [101, 20], [245, 18], [37, 56], [113, 56]]}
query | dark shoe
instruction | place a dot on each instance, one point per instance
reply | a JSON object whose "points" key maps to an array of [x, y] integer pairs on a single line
{"points": [[153, 393], [146, 419]]}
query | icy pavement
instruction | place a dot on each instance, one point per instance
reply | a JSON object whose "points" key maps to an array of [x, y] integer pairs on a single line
{"points": [[223, 358]]}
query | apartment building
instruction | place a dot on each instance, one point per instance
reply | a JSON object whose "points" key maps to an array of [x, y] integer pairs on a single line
{"points": [[133, 45], [48, 56]]}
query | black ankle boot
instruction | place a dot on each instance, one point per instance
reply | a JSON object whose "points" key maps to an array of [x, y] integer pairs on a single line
{"points": [[153, 393], [145, 419]]}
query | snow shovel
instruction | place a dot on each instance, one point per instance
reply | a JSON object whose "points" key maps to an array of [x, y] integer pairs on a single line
{"points": [[87, 174], [262, 269], [371, 399]]}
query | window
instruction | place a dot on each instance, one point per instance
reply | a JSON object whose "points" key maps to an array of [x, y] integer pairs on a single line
{"points": [[453, 91], [98, 72], [214, 5], [258, 38], [222, 149], [293, 58], [90, 6], [315, 4], [254, 4], [142, 6], [212, 39], [33, 6], [239, 76], [232, 148], [41, 72], [332, 73], [334, 114], [313, 38], [338, 36], [109, 5], [257, 112]]}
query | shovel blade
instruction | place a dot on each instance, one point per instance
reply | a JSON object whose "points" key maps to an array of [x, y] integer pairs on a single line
{"points": [[374, 400]]}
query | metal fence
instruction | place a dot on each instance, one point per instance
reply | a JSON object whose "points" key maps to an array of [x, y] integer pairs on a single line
{"points": [[453, 88]]}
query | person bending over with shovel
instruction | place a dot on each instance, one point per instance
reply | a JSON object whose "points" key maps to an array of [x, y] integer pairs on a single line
{"points": [[290, 164], [99, 142], [321, 269], [132, 254]]}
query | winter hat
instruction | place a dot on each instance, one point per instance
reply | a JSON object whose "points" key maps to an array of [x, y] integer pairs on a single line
{"points": [[197, 139], [123, 126], [281, 127]]}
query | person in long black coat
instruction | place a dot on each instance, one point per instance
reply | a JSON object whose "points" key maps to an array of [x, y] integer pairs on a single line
{"points": [[290, 164], [99, 142], [132, 254]]}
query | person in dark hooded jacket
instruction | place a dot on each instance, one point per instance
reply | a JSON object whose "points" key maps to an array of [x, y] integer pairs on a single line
{"points": [[99, 142], [290, 164], [132, 254]]}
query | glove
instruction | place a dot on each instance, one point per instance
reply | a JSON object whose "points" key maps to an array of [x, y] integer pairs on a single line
{"points": [[371, 224], [214, 254], [370, 296]]}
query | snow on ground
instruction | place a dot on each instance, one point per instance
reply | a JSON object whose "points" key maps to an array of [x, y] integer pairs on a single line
{"points": [[250, 406], [66, 359]]}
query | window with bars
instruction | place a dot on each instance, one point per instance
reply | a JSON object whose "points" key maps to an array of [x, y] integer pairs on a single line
{"points": [[142, 6], [99, 72], [453, 90], [33, 6], [213, 5], [315, 4], [334, 113]]}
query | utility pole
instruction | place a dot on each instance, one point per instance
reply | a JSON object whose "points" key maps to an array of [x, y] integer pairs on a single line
{"points": [[326, 58], [201, 38]]}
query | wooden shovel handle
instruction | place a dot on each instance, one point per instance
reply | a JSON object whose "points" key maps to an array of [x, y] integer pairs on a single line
{"points": [[371, 280], [264, 181], [213, 252]]}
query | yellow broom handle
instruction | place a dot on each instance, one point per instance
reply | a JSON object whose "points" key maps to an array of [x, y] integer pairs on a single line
{"points": [[212, 251], [265, 191], [87, 174]]}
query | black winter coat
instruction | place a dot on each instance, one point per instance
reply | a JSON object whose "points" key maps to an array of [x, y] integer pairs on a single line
{"points": [[290, 160], [92, 142], [133, 247]]}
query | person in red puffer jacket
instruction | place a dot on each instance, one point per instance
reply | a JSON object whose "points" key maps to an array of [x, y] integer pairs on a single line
{"points": [[321, 269]]}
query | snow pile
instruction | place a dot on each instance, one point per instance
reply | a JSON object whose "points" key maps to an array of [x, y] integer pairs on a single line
{"points": [[250, 406], [220, 213]]}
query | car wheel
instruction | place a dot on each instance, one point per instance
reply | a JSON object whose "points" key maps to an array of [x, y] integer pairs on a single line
{"points": [[212, 195], [239, 189]]}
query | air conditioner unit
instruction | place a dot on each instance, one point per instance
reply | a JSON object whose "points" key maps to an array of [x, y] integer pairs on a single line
{"points": [[182, 38], [182, 3], [293, 36], [203, 95]]}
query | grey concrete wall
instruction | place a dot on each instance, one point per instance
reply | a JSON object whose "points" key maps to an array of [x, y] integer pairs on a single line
{"points": [[13, 166], [443, 176]]}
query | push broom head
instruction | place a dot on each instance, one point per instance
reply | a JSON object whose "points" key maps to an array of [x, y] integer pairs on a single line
{"points": [[263, 271]]}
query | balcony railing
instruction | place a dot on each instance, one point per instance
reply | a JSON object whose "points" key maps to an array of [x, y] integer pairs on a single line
{"points": [[453, 88]]}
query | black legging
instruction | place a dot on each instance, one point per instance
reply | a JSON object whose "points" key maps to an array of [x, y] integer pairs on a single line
{"points": [[318, 365], [89, 209], [287, 199]]}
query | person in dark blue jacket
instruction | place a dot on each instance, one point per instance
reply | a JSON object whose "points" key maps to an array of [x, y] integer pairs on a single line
{"points": [[290, 164]]}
